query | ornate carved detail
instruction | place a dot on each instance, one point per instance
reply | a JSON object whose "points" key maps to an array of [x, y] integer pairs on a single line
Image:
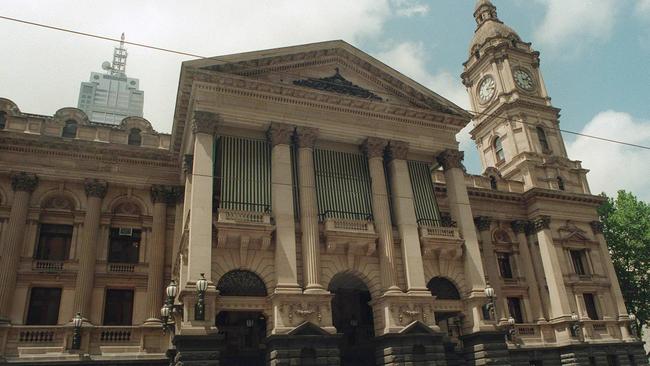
{"points": [[482, 223], [188, 163], [451, 159], [374, 147], [397, 150], [597, 227], [58, 202], [165, 194], [279, 133], [337, 84], [127, 208], [304, 311], [306, 136], [240, 282], [519, 226], [95, 188], [542, 223], [22, 181], [501, 236], [205, 122]]}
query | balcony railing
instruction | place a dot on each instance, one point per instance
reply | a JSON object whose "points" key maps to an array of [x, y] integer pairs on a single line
{"points": [[48, 266], [121, 267], [243, 217]]}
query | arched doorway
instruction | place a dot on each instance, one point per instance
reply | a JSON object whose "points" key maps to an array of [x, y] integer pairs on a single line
{"points": [[244, 331], [448, 321], [352, 317]]}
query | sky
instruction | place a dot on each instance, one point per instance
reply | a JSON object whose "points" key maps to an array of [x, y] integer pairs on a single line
{"points": [[594, 57]]}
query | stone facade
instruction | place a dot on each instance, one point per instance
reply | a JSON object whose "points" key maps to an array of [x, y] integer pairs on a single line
{"points": [[287, 282]]}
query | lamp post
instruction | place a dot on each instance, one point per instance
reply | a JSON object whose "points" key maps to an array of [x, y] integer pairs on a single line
{"points": [[491, 305], [201, 287], [633, 326], [77, 321], [575, 326], [166, 312], [511, 332]]}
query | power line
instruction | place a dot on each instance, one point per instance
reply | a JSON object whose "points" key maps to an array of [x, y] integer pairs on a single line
{"points": [[217, 58]]}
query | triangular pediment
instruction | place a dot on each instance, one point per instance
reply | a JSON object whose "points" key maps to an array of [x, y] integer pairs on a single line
{"points": [[308, 328], [331, 67], [417, 327]]}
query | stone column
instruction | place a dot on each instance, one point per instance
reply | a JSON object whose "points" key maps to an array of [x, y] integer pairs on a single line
{"points": [[286, 270], [519, 228], [374, 149], [306, 137], [615, 289], [87, 248], [559, 299], [406, 220], [483, 224], [461, 212], [160, 196], [23, 185]]}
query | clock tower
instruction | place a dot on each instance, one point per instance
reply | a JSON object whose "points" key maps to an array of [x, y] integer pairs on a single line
{"points": [[516, 129]]}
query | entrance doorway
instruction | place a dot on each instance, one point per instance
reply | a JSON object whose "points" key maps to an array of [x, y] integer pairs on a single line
{"points": [[244, 333], [352, 317]]}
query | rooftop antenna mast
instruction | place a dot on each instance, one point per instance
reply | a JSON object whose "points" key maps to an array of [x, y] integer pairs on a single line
{"points": [[119, 59]]}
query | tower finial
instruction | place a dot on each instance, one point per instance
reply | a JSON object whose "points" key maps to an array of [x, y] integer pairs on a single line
{"points": [[484, 11], [119, 59]]}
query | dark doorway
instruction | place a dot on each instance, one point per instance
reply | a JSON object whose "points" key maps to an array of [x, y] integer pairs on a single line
{"points": [[352, 317], [244, 333]]}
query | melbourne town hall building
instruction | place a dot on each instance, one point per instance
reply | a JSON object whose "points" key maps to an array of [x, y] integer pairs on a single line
{"points": [[310, 207]]}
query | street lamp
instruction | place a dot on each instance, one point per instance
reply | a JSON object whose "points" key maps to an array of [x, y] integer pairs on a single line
{"points": [[77, 322], [491, 305], [201, 287], [510, 330], [633, 325], [167, 311], [575, 325]]}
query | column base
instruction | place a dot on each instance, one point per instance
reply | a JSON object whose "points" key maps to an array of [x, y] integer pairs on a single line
{"points": [[316, 289], [152, 322]]}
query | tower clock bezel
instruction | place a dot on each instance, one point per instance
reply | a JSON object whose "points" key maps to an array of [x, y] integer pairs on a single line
{"points": [[483, 80], [533, 86]]}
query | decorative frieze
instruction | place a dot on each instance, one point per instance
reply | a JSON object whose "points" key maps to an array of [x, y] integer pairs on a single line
{"points": [[374, 147], [397, 150], [22, 181], [205, 122], [95, 188], [482, 223], [451, 159], [280, 133], [306, 136], [597, 227], [542, 223]]}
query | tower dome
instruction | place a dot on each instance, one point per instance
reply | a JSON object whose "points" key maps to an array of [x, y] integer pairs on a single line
{"points": [[489, 26]]}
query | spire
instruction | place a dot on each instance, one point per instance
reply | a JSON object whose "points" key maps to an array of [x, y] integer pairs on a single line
{"points": [[484, 11], [119, 59]]}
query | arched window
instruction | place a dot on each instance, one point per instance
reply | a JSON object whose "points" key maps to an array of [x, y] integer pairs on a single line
{"points": [[240, 282], [541, 136], [560, 183], [135, 138], [70, 129], [3, 120], [498, 149], [443, 289]]}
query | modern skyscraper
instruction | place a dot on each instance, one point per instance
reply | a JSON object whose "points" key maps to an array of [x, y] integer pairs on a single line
{"points": [[111, 96]]}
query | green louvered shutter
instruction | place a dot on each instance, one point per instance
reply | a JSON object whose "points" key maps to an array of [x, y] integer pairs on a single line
{"points": [[343, 185], [426, 207], [243, 174]]}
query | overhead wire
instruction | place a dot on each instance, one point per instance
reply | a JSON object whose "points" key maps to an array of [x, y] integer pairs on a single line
{"points": [[218, 59]]}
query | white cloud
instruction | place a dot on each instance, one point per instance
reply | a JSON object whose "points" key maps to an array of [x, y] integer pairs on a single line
{"points": [[613, 166], [569, 25], [643, 7], [409, 8]]}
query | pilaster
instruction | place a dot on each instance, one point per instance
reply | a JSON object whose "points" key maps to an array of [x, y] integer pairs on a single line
{"points": [[519, 228], [483, 225]]}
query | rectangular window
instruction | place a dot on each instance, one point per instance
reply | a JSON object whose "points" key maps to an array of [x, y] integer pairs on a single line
{"points": [[118, 307], [424, 198], [44, 306], [124, 245], [503, 259], [590, 304], [578, 260], [514, 308], [242, 174], [54, 242], [342, 185]]}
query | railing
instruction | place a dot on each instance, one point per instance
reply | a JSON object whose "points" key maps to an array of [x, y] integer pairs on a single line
{"points": [[444, 221], [115, 335], [36, 336], [449, 232], [121, 267], [344, 215], [46, 265], [333, 223], [242, 206], [239, 216]]}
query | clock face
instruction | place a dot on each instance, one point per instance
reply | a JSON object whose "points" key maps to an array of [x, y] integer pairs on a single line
{"points": [[523, 79], [486, 89]]}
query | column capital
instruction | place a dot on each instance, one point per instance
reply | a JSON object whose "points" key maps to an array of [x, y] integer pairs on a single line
{"points": [[306, 136], [520, 226], [279, 133], [205, 122], [597, 227], [95, 188], [374, 147], [165, 194], [22, 181], [542, 223], [450, 158], [397, 150], [482, 223], [188, 163]]}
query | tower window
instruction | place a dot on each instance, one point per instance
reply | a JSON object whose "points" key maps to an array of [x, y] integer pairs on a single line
{"points": [[118, 309], [3, 120], [541, 136], [560, 183], [70, 129], [503, 259], [54, 242], [124, 245], [514, 308], [135, 138], [498, 149], [44, 306], [578, 259], [590, 305]]}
